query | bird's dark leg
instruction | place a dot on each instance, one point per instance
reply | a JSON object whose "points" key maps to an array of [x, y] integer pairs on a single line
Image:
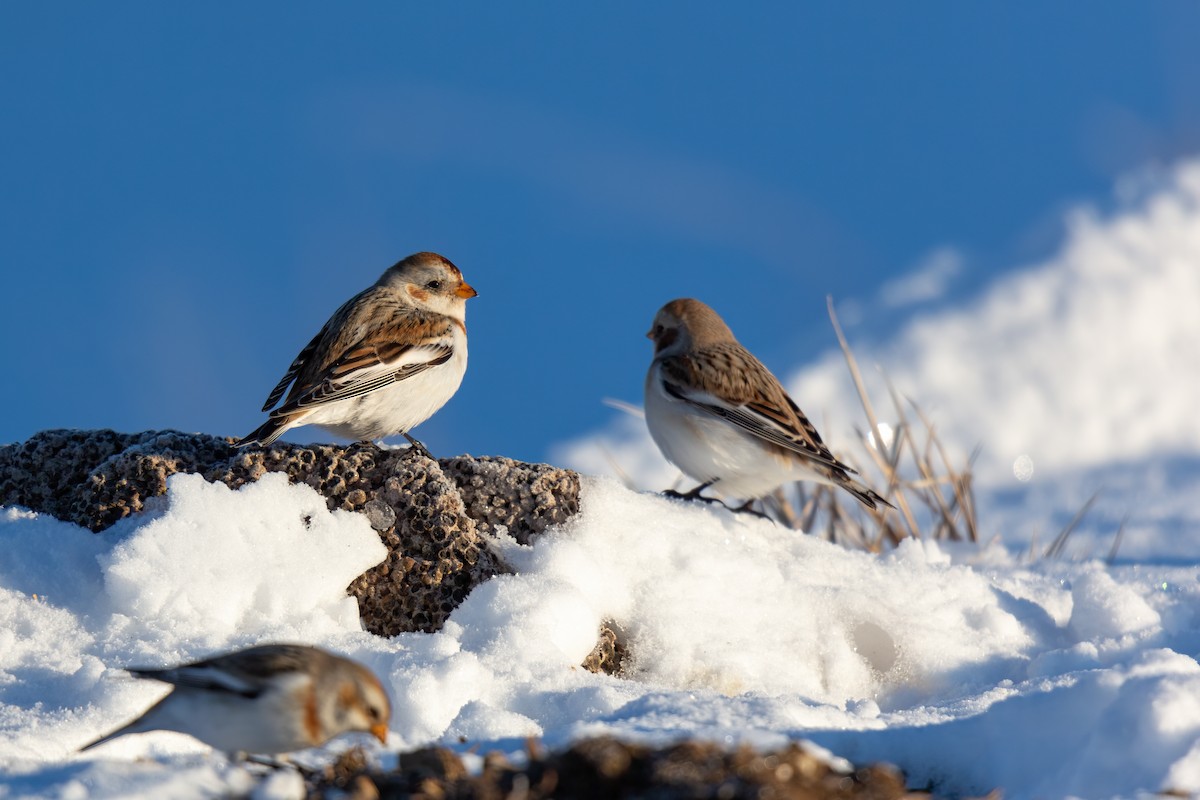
{"points": [[694, 494], [417, 447], [745, 508]]}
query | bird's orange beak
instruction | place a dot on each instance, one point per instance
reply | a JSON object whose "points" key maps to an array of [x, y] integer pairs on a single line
{"points": [[464, 290], [650, 334], [380, 731]]}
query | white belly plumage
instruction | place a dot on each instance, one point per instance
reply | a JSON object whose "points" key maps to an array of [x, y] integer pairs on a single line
{"points": [[233, 723], [397, 408], [710, 450]]}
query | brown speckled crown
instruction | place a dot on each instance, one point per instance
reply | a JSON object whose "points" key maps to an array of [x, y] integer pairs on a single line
{"points": [[703, 324], [427, 258]]}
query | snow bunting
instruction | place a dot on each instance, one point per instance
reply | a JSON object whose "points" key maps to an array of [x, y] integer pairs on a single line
{"points": [[268, 699], [385, 362], [720, 416]]}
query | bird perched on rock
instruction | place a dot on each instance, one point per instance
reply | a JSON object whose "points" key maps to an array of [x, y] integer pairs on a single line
{"points": [[720, 416], [268, 699], [385, 362]]}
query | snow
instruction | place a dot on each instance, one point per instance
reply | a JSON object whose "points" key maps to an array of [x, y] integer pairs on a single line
{"points": [[970, 667], [1074, 678]]}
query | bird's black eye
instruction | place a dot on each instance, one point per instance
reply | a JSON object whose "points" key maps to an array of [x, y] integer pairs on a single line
{"points": [[658, 329], [434, 285]]}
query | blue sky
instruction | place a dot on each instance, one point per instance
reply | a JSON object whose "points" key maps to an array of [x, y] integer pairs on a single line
{"points": [[188, 192]]}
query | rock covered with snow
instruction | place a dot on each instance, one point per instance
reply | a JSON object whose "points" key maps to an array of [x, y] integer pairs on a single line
{"points": [[94, 478], [431, 514]]}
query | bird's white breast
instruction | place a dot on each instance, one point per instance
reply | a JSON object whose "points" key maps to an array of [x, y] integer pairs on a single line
{"points": [[710, 449], [398, 407], [272, 722]]}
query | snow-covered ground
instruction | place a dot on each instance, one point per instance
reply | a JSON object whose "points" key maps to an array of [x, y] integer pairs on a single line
{"points": [[970, 667]]}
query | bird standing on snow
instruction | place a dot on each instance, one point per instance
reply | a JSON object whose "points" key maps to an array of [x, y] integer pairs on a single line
{"points": [[267, 699], [720, 416], [385, 362]]}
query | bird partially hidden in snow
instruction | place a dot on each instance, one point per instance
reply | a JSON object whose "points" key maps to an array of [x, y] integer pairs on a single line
{"points": [[268, 700], [719, 415]]}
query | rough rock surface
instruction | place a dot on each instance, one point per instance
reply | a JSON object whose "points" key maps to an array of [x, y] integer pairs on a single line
{"points": [[608, 656], [606, 767], [535, 496], [432, 515]]}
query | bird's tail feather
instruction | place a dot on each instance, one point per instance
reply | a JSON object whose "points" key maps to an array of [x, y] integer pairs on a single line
{"points": [[139, 725], [266, 433], [868, 497], [105, 738], [150, 721]]}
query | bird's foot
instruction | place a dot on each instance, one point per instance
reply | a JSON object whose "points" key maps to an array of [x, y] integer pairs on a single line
{"points": [[746, 508], [694, 494]]}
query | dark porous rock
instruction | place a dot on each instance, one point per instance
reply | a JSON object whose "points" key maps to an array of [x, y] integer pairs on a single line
{"points": [[435, 553], [432, 515], [94, 478], [607, 767], [124, 481], [531, 497]]}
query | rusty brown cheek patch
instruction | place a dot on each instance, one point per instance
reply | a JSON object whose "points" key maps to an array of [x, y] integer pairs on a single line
{"points": [[312, 723], [667, 338], [347, 697], [418, 294]]}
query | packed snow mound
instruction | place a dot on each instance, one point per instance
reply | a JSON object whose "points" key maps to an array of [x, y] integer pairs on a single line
{"points": [[738, 630], [191, 571], [735, 604]]}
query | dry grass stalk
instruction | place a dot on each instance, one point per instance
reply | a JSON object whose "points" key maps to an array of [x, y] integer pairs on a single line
{"points": [[933, 498], [1116, 545], [1056, 547]]}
